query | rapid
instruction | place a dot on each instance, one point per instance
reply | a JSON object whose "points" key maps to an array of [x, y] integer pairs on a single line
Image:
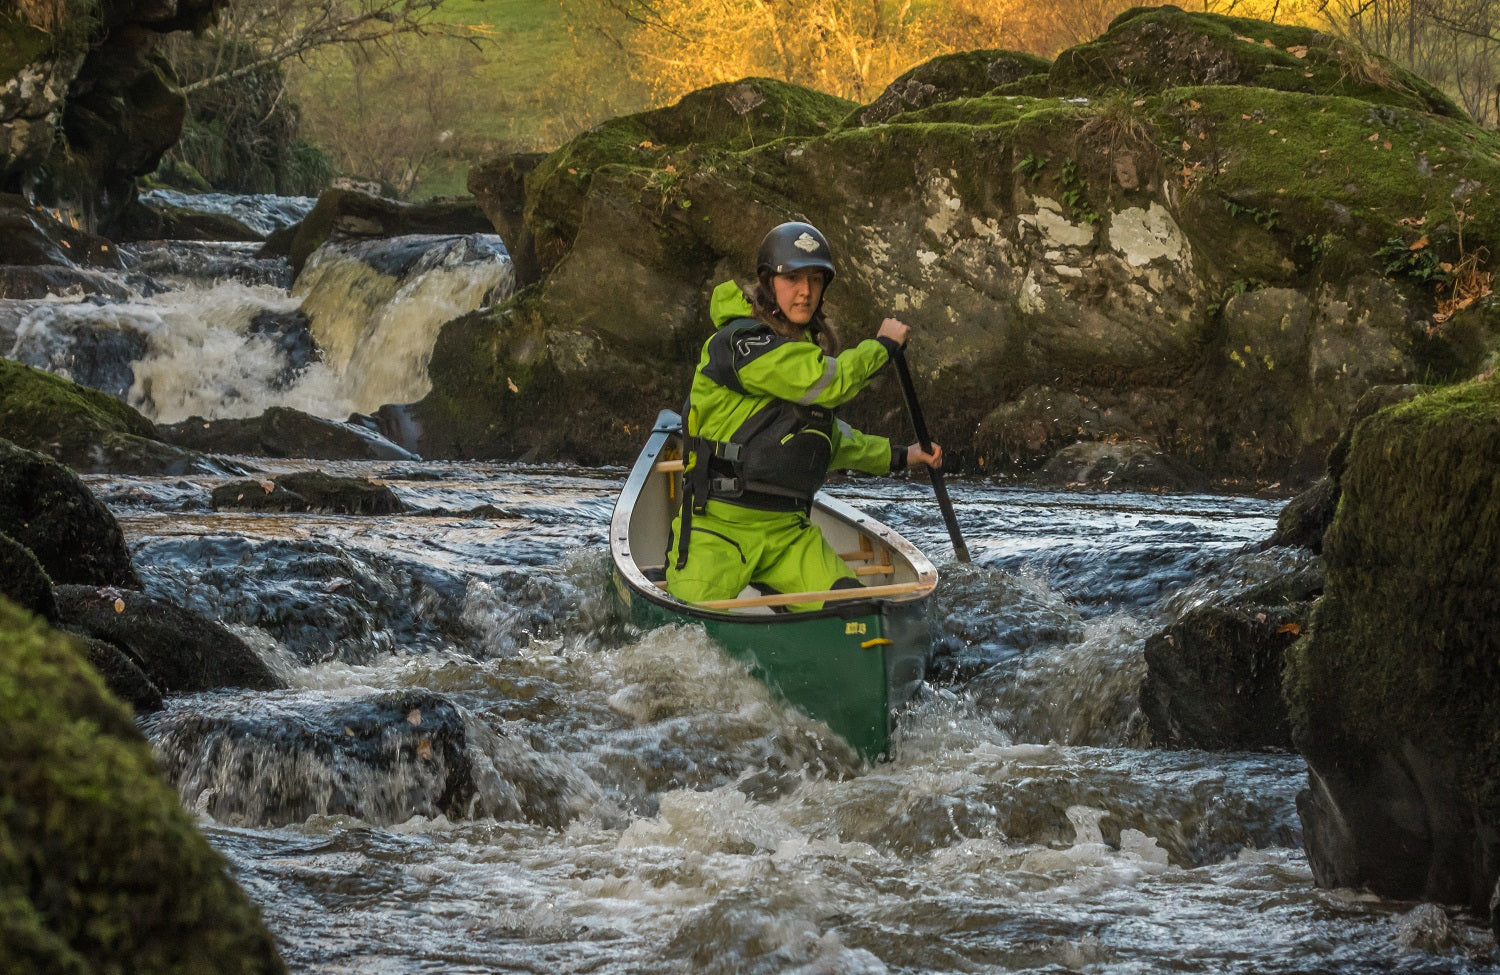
{"points": [[477, 767]]}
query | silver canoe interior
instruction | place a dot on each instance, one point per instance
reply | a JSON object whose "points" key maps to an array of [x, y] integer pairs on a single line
{"points": [[889, 566]]}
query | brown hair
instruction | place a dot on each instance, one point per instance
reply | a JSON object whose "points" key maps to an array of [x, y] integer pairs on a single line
{"points": [[762, 300]]}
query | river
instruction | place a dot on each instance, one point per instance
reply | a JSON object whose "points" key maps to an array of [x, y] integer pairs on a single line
{"points": [[635, 802]]}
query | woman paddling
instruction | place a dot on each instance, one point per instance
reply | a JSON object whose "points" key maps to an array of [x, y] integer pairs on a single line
{"points": [[761, 434]]}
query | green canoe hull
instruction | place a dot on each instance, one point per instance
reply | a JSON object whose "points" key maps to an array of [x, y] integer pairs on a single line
{"points": [[849, 668]]}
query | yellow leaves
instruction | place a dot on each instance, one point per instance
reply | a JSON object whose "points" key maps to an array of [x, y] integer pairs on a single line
{"points": [[1295, 629], [1194, 104], [1419, 243], [119, 605]]}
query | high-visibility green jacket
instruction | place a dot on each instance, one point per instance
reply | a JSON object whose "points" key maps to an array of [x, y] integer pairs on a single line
{"points": [[746, 368]]}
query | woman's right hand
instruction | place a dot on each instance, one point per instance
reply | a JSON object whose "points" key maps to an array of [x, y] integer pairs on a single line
{"points": [[895, 330]]}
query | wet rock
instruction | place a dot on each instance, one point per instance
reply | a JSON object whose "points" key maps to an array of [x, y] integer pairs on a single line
{"points": [[39, 281], [23, 580], [32, 236], [350, 214], [86, 429], [46, 509], [121, 674], [309, 491], [284, 432], [163, 221], [383, 759], [950, 77], [177, 650], [317, 599], [1127, 466], [103, 868], [1214, 677], [1392, 695]]}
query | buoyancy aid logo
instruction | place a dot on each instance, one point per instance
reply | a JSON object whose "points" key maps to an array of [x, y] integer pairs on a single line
{"points": [[806, 243], [753, 344]]}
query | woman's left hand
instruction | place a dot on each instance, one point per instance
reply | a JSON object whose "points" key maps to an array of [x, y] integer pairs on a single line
{"points": [[916, 456]]}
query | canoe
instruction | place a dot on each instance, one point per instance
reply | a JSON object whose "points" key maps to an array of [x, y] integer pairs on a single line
{"points": [[851, 664]]}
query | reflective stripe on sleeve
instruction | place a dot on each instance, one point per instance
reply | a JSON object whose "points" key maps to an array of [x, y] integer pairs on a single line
{"points": [[830, 372]]}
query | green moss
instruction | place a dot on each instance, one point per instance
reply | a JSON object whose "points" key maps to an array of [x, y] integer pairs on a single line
{"points": [[38, 409], [1330, 165], [20, 45], [1403, 646], [100, 867], [1152, 49]]}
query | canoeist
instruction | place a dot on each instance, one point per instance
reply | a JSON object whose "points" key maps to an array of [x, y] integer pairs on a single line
{"points": [[761, 433]]}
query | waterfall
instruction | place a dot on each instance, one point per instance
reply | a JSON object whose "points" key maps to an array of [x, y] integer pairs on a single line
{"points": [[376, 307]]}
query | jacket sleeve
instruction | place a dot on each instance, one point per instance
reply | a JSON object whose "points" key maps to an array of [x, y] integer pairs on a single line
{"points": [[855, 451], [801, 373]]}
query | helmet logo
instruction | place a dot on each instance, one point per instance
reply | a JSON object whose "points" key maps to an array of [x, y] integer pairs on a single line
{"points": [[807, 242]]}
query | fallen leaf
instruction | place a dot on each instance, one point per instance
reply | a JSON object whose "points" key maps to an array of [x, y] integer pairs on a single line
{"points": [[1247, 40], [267, 486], [1297, 50], [349, 731], [647, 144], [1246, 117], [1412, 221], [1273, 131], [510, 384], [1293, 628], [1267, 42], [1260, 617], [1374, 137], [415, 717], [1186, 145], [1195, 104], [119, 605], [1419, 243], [1307, 74], [424, 749], [1387, 146]]}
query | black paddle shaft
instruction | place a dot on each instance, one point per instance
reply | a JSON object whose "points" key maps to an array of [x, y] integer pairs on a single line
{"points": [[914, 410]]}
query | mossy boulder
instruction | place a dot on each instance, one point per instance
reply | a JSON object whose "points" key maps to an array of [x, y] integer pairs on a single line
{"points": [[88, 430], [23, 580], [100, 867], [1391, 696], [1151, 49], [1218, 271], [950, 77], [48, 510]]}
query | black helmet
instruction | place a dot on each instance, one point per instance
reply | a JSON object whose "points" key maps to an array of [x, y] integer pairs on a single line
{"points": [[792, 246]]}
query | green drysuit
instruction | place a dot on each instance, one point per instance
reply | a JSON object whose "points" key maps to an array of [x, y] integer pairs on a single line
{"points": [[731, 544]]}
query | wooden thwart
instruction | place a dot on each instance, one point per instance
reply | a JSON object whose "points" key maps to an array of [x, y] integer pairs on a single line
{"points": [[826, 596]]}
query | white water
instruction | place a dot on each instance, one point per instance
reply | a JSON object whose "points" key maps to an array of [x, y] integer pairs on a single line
{"points": [[184, 343]]}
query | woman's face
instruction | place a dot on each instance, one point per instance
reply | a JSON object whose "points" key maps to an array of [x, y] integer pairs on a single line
{"points": [[798, 293]]}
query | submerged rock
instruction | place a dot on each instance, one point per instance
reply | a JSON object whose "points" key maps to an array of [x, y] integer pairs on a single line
{"points": [[383, 758], [1392, 695], [102, 868]]}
